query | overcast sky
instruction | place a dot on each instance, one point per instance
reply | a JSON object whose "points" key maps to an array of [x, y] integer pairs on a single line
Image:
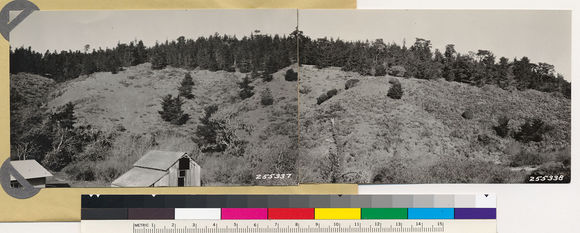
{"points": [[542, 36], [64, 30]]}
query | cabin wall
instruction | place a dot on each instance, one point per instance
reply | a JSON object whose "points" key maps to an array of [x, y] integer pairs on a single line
{"points": [[163, 182], [38, 182], [173, 174], [194, 176]]}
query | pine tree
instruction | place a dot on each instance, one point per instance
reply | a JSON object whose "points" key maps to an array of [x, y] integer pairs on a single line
{"points": [[139, 53], [65, 117], [209, 132], [247, 90], [158, 60], [186, 87], [171, 110]]}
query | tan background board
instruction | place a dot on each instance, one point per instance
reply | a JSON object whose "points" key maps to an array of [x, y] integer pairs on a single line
{"points": [[63, 204]]}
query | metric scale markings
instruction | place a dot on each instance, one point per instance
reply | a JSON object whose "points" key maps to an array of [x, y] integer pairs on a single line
{"points": [[288, 226]]}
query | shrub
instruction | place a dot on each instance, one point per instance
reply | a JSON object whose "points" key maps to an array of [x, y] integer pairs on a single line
{"points": [[267, 77], [465, 170], [396, 91], [526, 158], [564, 156], [57, 160], [325, 96], [502, 129], [532, 130], [322, 98], [266, 97], [397, 71], [468, 114], [484, 138], [80, 171], [108, 174], [291, 75], [67, 145], [331, 93], [380, 70], [397, 171], [171, 110], [351, 83], [304, 90]]}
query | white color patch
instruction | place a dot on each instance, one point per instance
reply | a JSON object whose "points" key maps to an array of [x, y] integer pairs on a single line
{"points": [[198, 213]]}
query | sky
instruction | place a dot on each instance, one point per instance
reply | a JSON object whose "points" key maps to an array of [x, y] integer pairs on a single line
{"points": [[64, 30], [542, 36]]}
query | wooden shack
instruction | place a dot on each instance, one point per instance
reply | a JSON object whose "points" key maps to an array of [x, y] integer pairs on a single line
{"points": [[161, 169], [32, 171]]}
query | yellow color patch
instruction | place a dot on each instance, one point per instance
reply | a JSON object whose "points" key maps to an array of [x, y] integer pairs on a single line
{"points": [[337, 213]]}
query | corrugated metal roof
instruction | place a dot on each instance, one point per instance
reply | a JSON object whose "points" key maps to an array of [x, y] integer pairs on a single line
{"points": [[160, 160], [29, 169], [139, 177]]}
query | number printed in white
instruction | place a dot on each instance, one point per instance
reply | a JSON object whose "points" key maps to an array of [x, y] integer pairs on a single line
{"points": [[546, 178], [275, 176]]}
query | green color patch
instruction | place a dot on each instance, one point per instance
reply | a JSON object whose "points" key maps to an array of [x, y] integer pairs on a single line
{"points": [[384, 213]]}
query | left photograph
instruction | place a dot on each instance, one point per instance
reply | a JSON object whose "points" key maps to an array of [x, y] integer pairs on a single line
{"points": [[154, 98]]}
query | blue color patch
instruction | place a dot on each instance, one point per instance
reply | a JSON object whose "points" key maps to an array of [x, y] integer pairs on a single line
{"points": [[431, 213]]}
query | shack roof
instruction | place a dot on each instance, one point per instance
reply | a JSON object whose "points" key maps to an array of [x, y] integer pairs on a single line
{"points": [[29, 169], [159, 160], [139, 177]]}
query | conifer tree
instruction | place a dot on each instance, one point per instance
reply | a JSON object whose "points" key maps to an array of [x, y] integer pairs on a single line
{"points": [[247, 90], [396, 91], [186, 87], [158, 60], [65, 117], [171, 110]]}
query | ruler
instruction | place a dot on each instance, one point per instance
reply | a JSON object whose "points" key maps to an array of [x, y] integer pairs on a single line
{"points": [[287, 226]]}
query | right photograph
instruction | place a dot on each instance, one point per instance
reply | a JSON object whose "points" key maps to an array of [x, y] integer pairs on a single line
{"points": [[434, 96]]}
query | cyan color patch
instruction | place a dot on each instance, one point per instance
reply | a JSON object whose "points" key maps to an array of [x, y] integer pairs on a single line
{"points": [[431, 213]]}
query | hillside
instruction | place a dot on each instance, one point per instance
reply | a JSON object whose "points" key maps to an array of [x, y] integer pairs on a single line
{"points": [[423, 135], [125, 106]]}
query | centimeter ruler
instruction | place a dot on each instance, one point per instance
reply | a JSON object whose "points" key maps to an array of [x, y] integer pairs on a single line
{"points": [[287, 226]]}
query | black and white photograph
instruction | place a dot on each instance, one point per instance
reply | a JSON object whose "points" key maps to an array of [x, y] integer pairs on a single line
{"points": [[434, 96], [148, 98]]}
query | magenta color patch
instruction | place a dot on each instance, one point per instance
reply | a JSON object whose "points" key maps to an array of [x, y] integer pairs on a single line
{"points": [[244, 213]]}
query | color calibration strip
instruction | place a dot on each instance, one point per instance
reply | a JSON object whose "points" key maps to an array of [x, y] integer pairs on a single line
{"points": [[285, 213], [260, 207]]}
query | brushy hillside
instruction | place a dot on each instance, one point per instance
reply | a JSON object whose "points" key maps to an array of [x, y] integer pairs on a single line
{"points": [[124, 107], [28, 94], [439, 131]]}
